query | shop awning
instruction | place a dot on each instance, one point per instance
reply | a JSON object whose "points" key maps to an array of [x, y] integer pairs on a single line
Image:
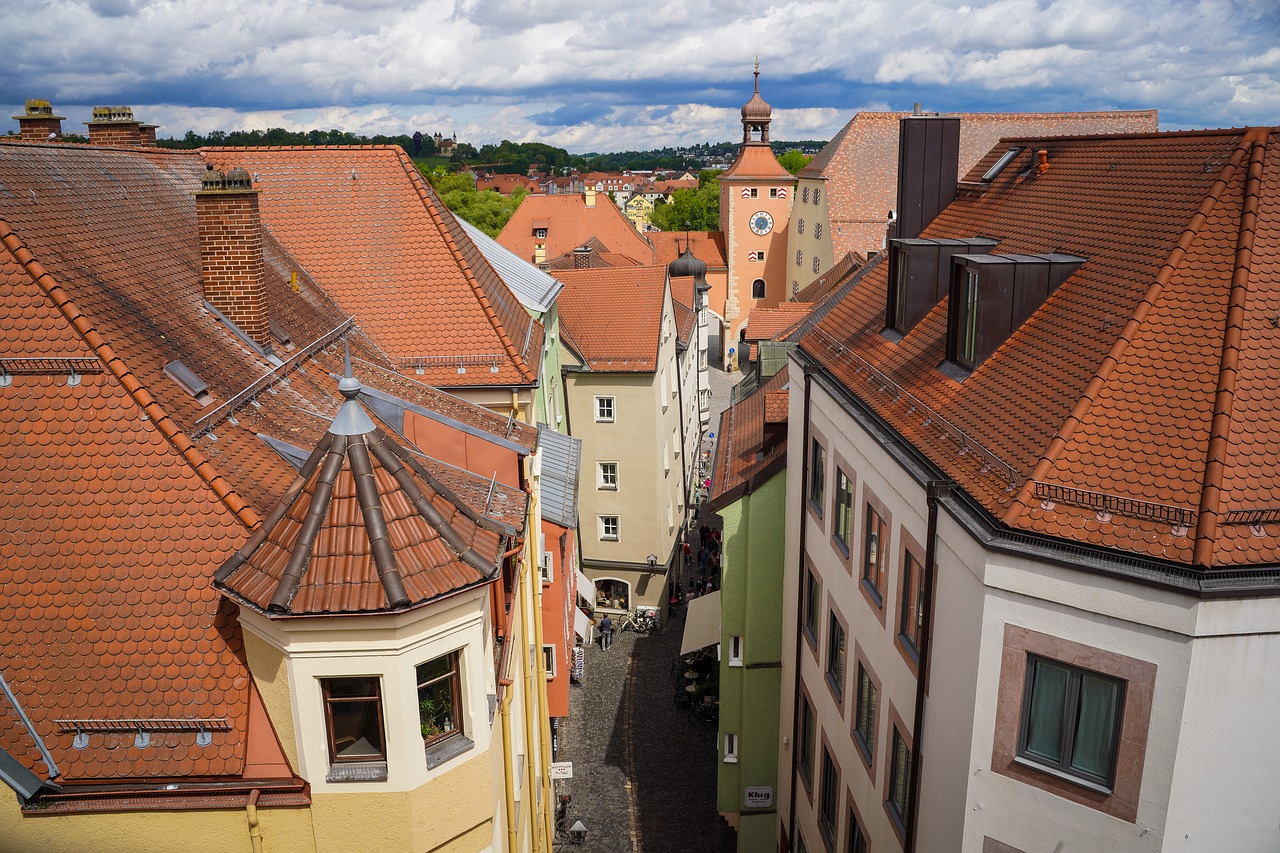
{"points": [[586, 588], [701, 623], [581, 624]]}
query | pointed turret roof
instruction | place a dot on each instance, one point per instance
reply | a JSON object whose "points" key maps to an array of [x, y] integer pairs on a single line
{"points": [[364, 528]]}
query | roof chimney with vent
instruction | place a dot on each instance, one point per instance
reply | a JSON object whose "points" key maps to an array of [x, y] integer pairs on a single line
{"points": [[582, 258], [115, 126], [38, 121], [231, 264], [928, 168]]}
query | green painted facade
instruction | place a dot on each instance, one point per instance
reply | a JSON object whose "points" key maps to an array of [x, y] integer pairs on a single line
{"points": [[751, 608], [550, 407]]}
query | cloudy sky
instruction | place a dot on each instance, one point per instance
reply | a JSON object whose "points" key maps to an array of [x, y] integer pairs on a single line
{"points": [[601, 75]]}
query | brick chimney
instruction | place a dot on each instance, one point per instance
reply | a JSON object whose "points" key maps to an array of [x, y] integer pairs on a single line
{"points": [[115, 126], [582, 258], [39, 122], [231, 264]]}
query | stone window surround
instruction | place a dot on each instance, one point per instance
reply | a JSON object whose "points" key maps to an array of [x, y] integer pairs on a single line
{"points": [[839, 463], [1140, 678], [816, 510], [895, 722], [907, 542], [830, 752], [856, 813], [860, 659], [838, 692], [869, 499]]}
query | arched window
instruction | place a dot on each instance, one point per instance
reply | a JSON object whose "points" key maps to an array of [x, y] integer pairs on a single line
{"points": [[800, 226], [817, 230], [799, 258], [817, 194], [804, 195], [613, 594], [757, 289]]}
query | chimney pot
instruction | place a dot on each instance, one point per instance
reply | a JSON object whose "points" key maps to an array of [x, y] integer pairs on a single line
{"points": [[38, 122], [1042, 164]]}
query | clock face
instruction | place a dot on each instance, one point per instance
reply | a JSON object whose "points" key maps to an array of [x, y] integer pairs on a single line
{"points": [[761, 223]]}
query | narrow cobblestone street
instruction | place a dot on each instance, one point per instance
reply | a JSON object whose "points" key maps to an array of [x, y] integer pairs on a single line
{"points": [[644, 775]]}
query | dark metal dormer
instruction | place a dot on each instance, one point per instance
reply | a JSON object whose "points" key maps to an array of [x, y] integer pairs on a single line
{"points": [[920, 277], [991, 296]]}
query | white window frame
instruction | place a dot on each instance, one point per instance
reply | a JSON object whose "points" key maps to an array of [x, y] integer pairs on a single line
{"points": [[612, 406], [547, 568], [603, 476], [675, 441], [735, 650], [605, 521], [730, 748], [549, 660]]}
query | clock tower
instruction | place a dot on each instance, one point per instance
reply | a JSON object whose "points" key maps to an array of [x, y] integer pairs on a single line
{"points": [[755, 204]]}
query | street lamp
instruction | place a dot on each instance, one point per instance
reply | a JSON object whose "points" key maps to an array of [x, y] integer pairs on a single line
{"points": [[578, 832], [653, 562]]}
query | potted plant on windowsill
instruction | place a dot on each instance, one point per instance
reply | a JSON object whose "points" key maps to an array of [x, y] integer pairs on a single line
{"points": [[434, 716]]}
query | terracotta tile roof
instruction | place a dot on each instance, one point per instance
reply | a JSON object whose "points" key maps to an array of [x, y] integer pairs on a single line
{"points": [[767, 323], [123, 492], [570, 223], [745, 450], [707, 246], [1132, 410], [362, 221], [613, 317], [599, 258], [860, 163], [757, 161]]}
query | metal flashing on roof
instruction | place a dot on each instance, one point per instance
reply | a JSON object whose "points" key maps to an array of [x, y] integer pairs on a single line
{"points": [[536, 290], [291, 453], [390, 409]]}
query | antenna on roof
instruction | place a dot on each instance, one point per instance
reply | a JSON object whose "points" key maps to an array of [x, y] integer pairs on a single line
{"points": [[488, 501], [510, 419]]}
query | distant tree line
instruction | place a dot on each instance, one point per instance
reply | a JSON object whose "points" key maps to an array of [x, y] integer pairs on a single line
{"points": [[510, 158], [417, 145]]}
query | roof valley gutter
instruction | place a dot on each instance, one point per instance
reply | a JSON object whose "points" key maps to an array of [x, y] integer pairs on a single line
{"points": [[54, 772]]}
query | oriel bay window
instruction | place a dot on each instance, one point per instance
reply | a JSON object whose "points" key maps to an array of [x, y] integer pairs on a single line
{"points": [[1071, 720]]}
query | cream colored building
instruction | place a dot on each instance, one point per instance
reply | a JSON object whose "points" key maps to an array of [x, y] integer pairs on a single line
{"points": [[1030, 602], [632, 399]]}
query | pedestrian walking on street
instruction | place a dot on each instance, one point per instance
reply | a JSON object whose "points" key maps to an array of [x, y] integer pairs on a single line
{"points": [[688, 554], [704, 557], [703, 533], [606, 633]]}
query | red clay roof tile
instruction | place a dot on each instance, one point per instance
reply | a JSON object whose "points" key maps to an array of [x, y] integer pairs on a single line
{"points": [[1127, 391]]}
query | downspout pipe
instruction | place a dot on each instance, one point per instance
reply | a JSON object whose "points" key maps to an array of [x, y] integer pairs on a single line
{"points": [[508, 774], [251, 815], [804, 526], [935, 490]]}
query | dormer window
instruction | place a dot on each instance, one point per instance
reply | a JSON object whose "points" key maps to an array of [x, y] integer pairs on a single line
{"points": [[540, 233], [919, 276], [992, 296]]}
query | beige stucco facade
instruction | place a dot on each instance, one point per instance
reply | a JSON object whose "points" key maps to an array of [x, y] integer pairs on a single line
{"points": [[651, 441]]}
